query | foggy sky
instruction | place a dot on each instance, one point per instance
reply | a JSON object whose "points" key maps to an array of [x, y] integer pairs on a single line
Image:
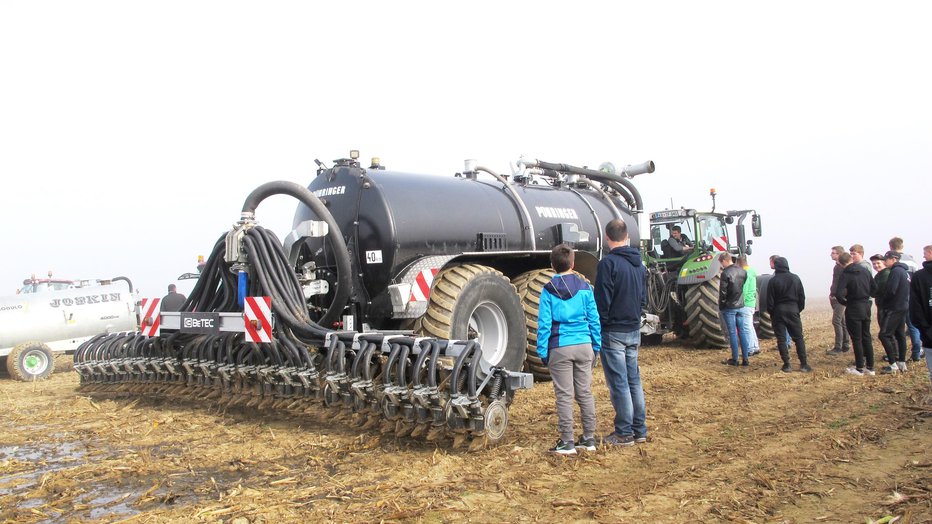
{"points": [[131, 133]]}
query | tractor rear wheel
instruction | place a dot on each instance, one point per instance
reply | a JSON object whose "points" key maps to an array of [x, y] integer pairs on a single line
{"points": [[30, 361], [765, 326], [477, 302], [705, 328]]}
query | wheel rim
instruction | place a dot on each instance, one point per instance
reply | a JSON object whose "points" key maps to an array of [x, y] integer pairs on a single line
{"points": [[35, 362], [487, 325]]}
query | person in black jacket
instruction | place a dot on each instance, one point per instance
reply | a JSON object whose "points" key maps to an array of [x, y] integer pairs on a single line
{"points": [[855, 289], [894, 301], [731, 308], [173, 300], [920, 304], [786, 299]]}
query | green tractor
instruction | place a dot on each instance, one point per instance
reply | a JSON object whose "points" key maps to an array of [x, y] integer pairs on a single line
{"points": [[681, 256]]}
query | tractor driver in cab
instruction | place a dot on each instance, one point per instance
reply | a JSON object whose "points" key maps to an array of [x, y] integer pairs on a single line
{"points": [[677, 245]]}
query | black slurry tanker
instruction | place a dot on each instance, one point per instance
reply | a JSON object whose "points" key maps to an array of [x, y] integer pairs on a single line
{"points": [[460, 257]]}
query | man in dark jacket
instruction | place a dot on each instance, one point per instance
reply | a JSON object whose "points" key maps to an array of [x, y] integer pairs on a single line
{"points": [[894, 302], [620, 297], [173, 300], [786, 299], [854, 292], [842, 341], [920, 304], [731, 308]]}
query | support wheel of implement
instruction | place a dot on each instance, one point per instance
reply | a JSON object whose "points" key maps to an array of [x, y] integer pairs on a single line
{"points": [[30, 361], [331, 396], [477, 302], [705, 328], [496, 421], [765, 327], [530, 285]]}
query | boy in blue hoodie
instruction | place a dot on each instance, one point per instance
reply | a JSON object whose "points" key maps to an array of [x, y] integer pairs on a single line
{"points": [[568, 337]]}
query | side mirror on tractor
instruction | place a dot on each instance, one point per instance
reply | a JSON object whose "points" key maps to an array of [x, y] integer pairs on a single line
{"points": [[755, 225]]}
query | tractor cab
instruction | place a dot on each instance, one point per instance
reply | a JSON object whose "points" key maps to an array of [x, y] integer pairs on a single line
{"points": [[678, 234]]}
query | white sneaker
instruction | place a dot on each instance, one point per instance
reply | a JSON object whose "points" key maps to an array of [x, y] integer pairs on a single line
{"points": [[854, 371], [869, 372], [901, 366]]}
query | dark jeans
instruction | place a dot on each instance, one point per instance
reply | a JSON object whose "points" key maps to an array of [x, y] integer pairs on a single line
{"points": [[788, 320], [893, 335], [860, 331]]}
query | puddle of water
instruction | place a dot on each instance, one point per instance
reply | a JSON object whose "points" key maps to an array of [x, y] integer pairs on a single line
{"points": [[45, 458]]}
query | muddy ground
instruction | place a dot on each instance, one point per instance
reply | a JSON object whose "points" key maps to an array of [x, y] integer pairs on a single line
{"points": [[727, 444]]}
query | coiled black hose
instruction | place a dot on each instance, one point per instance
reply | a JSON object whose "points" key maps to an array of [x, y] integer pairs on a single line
{"points": [[341, 253]]}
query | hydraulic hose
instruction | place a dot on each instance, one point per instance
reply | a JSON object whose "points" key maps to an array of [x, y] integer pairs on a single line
{"points": [[472, 381], [342, 257], [419, 362], [458, 367]]}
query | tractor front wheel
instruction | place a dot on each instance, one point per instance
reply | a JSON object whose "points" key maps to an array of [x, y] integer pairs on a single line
{"points": [[705, 328]]}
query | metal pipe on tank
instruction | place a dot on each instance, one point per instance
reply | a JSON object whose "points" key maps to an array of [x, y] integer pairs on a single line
{"points": [[528, 223], [628, 172]]}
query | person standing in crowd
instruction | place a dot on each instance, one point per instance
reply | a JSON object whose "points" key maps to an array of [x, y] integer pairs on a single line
{"points": [[173, 301], [896, 244], [894, 302], [857, 256], [568, 337], [920, 304], [750, 304], [881, 273], [621, 297], [854, 292], [731, 308], [786, 334], [786, 299], [842, 341]]}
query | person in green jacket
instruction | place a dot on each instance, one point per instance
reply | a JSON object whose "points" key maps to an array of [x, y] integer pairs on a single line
{"points": [[750, 304]]}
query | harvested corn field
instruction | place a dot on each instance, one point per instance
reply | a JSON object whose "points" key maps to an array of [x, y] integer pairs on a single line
{"points": [[729, 444]]}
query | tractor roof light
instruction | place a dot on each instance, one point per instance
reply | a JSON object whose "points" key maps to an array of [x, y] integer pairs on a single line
{"points": [[354, 154], [712, 192]]}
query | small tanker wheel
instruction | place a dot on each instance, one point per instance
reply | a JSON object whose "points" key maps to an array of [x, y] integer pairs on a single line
{"points": [[477, 302], [705, 328], [30, 361], [496, 421]]}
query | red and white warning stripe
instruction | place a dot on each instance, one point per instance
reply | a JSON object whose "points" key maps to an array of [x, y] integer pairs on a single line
{"points": [[420, 291], [150, 322], [257, 315], [720, 243]]}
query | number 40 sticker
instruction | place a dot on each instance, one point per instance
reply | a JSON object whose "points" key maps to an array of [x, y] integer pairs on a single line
{"points": [[374, 257]]}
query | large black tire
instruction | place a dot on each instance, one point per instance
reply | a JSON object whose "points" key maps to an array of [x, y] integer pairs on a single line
{"points": [[705, 328], [765, 326], [530, 285], [477, 302], [30, 361]]}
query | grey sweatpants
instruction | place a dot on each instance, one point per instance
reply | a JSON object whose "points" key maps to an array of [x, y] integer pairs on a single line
{"points": [[571, 370]]}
